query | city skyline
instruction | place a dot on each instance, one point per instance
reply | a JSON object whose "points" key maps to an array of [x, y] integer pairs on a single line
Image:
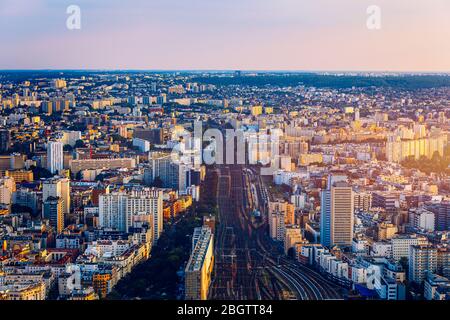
{"points": [[215, 35], [354, 202]]}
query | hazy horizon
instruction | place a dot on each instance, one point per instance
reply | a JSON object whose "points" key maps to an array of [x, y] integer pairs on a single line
{"points": [[218, 35], [331, 72]]}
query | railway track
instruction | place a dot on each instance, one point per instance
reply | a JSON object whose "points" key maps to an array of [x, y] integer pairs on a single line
{"points": [[242, 250]]}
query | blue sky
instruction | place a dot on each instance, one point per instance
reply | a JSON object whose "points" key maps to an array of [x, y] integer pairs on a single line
{"points": [[226, 34]]}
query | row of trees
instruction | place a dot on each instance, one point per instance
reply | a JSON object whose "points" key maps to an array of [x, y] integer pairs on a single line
{"points": [[157, 278], [437, 164]]}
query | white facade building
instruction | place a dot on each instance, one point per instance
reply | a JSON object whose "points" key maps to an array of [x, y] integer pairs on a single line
{"points": [[401, 244], [55, 156], [119, 210]]}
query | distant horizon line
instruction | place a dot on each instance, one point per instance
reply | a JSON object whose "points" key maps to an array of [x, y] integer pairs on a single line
{"points": [[230, 71]]}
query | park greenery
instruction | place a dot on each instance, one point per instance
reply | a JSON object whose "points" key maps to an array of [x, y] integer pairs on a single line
{"points": [[157, 277]]}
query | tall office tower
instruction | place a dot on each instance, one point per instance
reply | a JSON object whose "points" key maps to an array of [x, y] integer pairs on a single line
{"points": [[56, 106], [325, 218], [47, 107], [199, 267], [146, 202], [281, 214], [58, 187], [112, 209], [443, 216], [5, 140], [277, 226], [52, 210], [118, 211], [162, 167], [55, 156], [183, 172], [336, 219], [422, 259]]}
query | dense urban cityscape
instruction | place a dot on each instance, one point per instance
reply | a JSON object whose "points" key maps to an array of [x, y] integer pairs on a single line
{"points": [[224, 185]]}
